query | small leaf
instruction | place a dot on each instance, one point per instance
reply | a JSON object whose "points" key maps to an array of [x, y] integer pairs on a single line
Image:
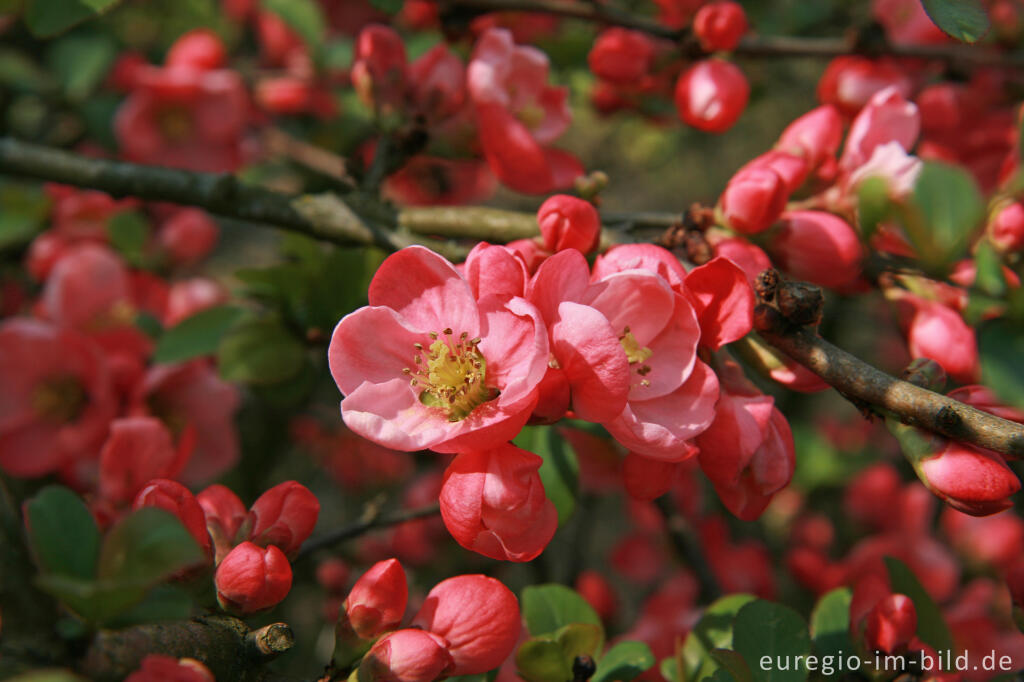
{"points": [[81, 62], [389, 6], [669, 669], [990, 277], [546, 608], [62, 533], [129, 232], [302, 16], [623, 662], [713, 631], [146, 547], [931, 626], [873, 205], [965, 20], [260, 351], [197, 335], [830, 624], [764, 629], [951, 206], [542, 660], [580, 639], [1001, 346], [732, 662], [46, 18]]}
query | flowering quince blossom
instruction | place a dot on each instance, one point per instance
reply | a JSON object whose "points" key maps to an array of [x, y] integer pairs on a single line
{"points": [[56, 397], [519, 114], [426, 365], [377, 601]]}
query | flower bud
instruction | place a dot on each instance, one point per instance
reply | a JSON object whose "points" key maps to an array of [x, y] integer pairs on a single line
{"points": [[975, 481], [621, 56], [161, 668], [252, 578], [198, 49], [850, 81], [711, 95], [815, 135], [188, 236], [493, 503], [720, 25], [817, 247], [378, 67], [596, 589], [478, 616], [406, 656], [888, 117], [176, 498], [569, 223], [378, 599], [938, 332], [891, 624], [753, 200], [1006, 231], [137, 450], [284, 516], [224, 514], [792, 168]]}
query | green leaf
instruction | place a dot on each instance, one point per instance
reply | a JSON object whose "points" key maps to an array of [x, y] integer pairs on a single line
{"points": [[733, 663], [163, 602], [669, 669], [580, 639], [48, 675], [560, 471], [542, 660], [830, 624], [197, 335], [129, 232], [260, 351], [546, 608], [931, 626], [965, 20], [146, 547], [302, 16], [96, 601], [19, 72], [46, 18], [623, 662], [1001, 346], [873, 205], [62, 533], [23, 211], [389, 6], [951, 207], [81, 62], [713, 631], [990, 277], [766, 629]]}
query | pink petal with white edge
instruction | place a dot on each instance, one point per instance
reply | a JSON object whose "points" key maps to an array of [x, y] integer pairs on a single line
{"points": [[637, 299], [661, 428], [562, 277], [372, 344], [673, 354], [426, 290], [593, 361]]}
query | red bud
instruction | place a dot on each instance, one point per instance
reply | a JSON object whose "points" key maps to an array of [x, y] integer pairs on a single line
{"points": [[252, 578], [176, 498], [406, 656], [378, 599], [284, 516]]}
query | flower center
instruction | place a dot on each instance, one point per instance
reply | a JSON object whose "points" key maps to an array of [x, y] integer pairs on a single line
{"points": [[636, 354], [452, 374], [175, 124], [60, 399]]}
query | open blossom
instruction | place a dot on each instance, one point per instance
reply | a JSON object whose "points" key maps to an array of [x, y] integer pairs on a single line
{"points": [[56, 397], [138, 450], [493, 502], [519, 115], [426, 365]]}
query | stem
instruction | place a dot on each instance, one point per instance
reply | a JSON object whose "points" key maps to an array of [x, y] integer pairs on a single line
{"points": [[912, 404], [372, 519], [688, 546], [750, 46]]}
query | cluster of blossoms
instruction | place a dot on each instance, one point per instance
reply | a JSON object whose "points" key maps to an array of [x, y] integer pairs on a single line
{"points": [[458, 360]]}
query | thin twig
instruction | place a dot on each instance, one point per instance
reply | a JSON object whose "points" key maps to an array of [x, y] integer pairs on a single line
{"points": [[751, 46], [370, 521]]}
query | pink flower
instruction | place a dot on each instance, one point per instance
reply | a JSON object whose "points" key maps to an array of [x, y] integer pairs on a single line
{"points": [[407, 656], [199, 409], [672, 393], [176, 498], [972, 480], [138, 450], [519, 114], [56, 397], [890, 162], [888, 117], [621, 56], [940, 333], [477, 616], [569, 223], [188, 236], [495, 269], [754, 199], [748, 451], [493, 503], [850, 81], [190, 296], [723, 300], [378, 67], [377, 601], [426, 365], [437, 81], [225, 514], [720, 25], [436, 181], [160, 668], [815, 135], [284, 516], [711, 95]]}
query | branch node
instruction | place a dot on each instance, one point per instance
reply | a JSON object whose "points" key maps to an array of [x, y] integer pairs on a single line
{"points": [[269, 641]]}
